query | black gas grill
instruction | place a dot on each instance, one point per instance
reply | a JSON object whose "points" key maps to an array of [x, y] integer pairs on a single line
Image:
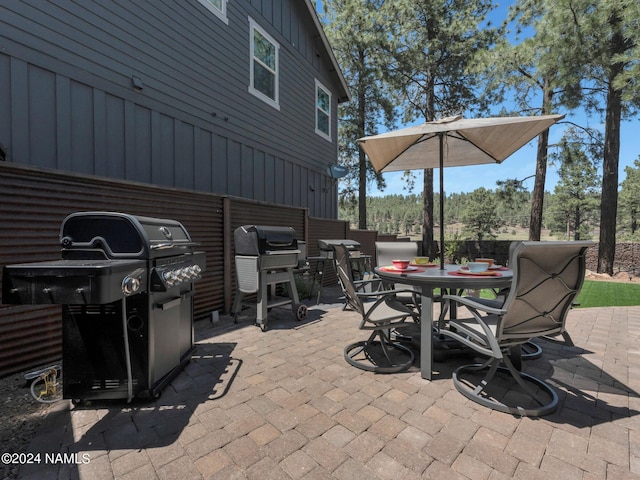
{"points": [[266, 257], [126, 284], [326, 247]]}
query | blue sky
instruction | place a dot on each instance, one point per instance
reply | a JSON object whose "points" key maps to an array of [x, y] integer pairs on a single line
{"points": [[522, 163]]}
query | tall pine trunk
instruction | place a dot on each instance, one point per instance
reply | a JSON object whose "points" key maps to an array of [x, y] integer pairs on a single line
{"points": [[609, 200], [537, 198]]}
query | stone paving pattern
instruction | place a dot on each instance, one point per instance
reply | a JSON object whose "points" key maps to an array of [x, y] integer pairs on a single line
{"points": [[284, 404]]}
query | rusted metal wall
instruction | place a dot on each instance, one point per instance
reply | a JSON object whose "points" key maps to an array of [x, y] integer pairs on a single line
{"points": [[367, 239], [33, 203], [247, 212], [387, 237]]}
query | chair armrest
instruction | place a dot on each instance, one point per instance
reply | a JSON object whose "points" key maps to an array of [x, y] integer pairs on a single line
{"points": [[385, 293], [468, 302], [365, 282], [485, 343], [360, 285]]}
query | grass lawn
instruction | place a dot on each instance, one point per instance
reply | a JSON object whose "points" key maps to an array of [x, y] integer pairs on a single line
{"points": [[608, 294], [601, 294]]}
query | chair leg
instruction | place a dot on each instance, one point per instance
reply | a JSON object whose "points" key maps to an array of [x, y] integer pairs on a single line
{"points": [[480, 391], [375, 355], [566, 339]]}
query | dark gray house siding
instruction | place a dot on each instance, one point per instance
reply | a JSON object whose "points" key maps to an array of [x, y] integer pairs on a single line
{"points": [[67, 93]]}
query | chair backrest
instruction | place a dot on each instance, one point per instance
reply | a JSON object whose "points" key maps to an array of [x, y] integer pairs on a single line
{"points": [[388, 251], [343, 269], [547, 277]]}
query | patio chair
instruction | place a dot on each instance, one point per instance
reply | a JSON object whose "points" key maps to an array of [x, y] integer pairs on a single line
{"points": [[381, 312], [386, 252], [547, 277], [530, 350]]}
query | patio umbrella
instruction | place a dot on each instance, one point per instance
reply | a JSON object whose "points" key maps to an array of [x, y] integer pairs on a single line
{"points": [[451, 142]]}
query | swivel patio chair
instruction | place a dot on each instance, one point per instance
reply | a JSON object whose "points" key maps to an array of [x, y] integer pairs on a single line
{"points": [[528, 350], [381, 312], [386, 252], [547, 277]]}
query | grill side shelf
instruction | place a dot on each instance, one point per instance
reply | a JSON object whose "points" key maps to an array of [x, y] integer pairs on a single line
{"points": [[72, 282]]}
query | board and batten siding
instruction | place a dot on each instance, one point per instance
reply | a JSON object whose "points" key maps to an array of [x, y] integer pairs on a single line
{"points": [[67, 69]]}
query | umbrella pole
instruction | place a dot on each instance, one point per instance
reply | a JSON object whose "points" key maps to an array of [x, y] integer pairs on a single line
{"points": [[441, 135]]}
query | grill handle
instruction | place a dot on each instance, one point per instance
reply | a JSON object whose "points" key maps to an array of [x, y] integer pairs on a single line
{"points": [[161, 246], [174, 302], [97, 243]]}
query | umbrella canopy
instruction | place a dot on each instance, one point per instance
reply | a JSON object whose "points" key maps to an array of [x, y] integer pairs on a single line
{"points": [[451, 142], [467, 141]]}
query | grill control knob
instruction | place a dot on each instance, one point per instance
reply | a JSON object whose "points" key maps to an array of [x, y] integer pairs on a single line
{"points": [[183, 274], [169, 277], [130, 285]]}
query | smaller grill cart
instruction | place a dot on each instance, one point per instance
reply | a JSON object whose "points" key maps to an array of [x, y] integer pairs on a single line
{"points": [[265, 257]]}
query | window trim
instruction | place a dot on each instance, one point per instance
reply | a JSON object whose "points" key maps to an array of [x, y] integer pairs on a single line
{"points": [[317, 109], [221, 14], [275, 103]]}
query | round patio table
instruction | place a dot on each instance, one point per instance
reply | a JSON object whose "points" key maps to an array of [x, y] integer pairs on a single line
{"points": [[451, 277]]}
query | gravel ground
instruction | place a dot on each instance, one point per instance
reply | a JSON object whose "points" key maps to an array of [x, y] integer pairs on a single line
{"points": [[20, 418]]}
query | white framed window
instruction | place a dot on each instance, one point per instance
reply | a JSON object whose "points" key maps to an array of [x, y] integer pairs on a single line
{"points": [[323, 111], [263, 68], [217, 7]]}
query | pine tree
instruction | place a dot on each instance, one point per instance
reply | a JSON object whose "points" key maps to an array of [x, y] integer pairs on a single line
{"points": [[431, 45], [355, 29]]}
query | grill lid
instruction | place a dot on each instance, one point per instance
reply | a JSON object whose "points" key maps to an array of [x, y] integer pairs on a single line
{"points": [[263, 239], [326, 245], [113, 235]]}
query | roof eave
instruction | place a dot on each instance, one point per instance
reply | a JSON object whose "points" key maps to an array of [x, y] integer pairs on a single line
{"points": [[345, 94]]}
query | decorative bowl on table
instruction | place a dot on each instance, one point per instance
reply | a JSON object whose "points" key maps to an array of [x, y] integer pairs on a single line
{"points": [[478, 267], [400, 264], [421, 261]]}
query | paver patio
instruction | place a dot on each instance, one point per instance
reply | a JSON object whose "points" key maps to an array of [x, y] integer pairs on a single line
{"points": [[284, 404]]}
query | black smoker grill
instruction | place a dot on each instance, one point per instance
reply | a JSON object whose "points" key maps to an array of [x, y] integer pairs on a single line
{"points": [[126, 287], [266, 256]]}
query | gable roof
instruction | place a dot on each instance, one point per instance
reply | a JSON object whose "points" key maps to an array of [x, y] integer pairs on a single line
{"points": [[343, 95]]}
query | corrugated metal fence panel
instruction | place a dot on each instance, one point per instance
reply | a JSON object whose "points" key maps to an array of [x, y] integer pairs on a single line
{"points": [[33, 204], [367, 239], [246, 212], [387, 237], [329, 229], [30, 336]]}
